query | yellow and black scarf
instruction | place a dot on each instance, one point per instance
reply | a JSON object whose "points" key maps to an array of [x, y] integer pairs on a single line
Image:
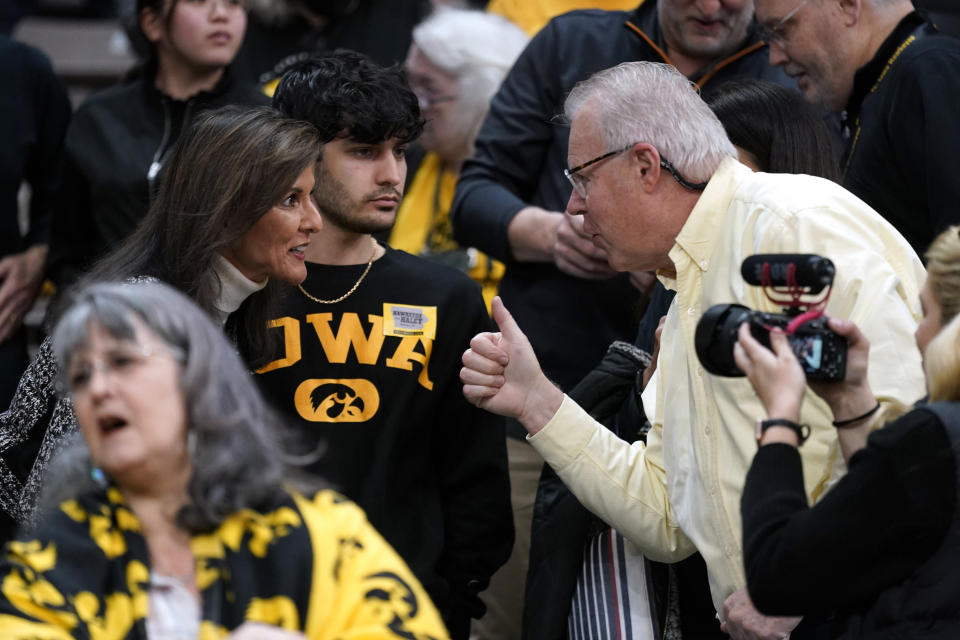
{"points": [[311, 565]]}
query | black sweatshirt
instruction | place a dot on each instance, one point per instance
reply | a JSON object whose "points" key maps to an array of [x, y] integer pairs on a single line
{"points": [[885, 518], [428, 467]]}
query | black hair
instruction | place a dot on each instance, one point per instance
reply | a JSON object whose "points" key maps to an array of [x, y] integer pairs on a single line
{"points": [[139, 42], [783, 132], [346, 93]]}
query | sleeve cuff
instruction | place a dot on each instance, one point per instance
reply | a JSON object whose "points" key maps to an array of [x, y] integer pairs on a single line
{"points": [[565, 435]]}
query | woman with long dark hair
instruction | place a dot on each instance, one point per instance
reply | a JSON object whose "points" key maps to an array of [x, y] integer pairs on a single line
{"points": [[232, 218]]}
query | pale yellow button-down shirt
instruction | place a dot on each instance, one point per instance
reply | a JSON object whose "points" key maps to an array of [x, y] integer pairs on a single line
{"points": [[681, 491]]}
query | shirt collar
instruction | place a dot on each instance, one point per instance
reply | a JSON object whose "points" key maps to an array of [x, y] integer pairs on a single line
{"points": [[234, 288], [866, 76], [698, 236]]}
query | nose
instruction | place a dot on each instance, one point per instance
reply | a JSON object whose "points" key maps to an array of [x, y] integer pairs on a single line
{"points": [[100, 382], [389, 170], [709, 7], [218, 9], [778, 56], [310, 221], [576, 205]]}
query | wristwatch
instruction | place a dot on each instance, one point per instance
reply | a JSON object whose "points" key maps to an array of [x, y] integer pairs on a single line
{"points": [[802, 430]]}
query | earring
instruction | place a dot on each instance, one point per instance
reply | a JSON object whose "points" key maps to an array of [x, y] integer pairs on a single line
{"points": [[99, 477]]}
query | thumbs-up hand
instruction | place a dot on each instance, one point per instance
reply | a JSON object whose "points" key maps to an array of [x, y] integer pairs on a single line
{"points": [[501, 374]]}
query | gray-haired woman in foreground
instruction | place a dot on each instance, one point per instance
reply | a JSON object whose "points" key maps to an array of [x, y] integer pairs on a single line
{"points": [[173, 517]]}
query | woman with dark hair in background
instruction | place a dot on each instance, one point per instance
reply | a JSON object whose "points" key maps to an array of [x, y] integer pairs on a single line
{"points": [[121, 138], [233, 216], [774, 131], [174, 516]]}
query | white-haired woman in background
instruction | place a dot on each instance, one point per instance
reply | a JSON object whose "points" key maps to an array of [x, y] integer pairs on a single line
{"points": [[456, 63]]}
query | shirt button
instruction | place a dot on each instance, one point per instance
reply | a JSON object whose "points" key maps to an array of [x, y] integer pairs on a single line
{"points": [[699, 371], [706, 429], [703, 264], [691, 311]]}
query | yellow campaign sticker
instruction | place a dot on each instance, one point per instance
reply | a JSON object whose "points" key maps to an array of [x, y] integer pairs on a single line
{"points": [[404, 320]]}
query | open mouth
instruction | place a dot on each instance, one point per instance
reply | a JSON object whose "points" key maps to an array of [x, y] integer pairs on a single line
{"points": [[109, 424], [299, 251]]}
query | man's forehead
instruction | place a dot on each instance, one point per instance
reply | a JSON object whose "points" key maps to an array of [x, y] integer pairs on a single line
{"points": [[773, 10], [584, 136]]}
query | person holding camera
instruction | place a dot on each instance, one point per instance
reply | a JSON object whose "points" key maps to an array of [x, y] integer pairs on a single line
{"points": [[880, 548], [659, 187]]}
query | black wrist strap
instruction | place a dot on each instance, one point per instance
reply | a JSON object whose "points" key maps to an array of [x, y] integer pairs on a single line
{"points": [[840, 424], [802, 430]]}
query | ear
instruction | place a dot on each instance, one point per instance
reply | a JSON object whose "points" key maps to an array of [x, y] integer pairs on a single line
{"points": [[645, 162], [153, 24], [850, 11]]}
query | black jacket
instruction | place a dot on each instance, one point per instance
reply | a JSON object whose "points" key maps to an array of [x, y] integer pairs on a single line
{"points": [[879, 549], [116, 145], [33, 117], [521, 152], [904, 130]]}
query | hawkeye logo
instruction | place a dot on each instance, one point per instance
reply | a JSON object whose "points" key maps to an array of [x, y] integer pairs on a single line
{"points": [[401, 339], [336, 400]]}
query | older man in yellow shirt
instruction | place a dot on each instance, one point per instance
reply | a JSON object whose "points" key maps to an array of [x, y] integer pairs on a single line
{"points": [[659, 187]]}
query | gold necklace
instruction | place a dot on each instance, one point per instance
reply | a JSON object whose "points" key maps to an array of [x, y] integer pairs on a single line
{"points": [[352, 289]]}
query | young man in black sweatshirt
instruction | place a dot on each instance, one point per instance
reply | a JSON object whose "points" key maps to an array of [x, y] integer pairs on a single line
{"points": [[372, 344]]}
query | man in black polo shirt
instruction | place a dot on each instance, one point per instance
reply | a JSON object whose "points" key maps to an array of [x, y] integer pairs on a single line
{"points": [[898, 80]]}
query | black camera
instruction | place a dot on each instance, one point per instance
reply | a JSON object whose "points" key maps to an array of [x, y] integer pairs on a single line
{"points": [[821, 352]]}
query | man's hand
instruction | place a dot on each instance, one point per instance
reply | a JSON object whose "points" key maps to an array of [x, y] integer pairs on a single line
{"points": [[744, 622], [575, 254], [21, 275], [501, 374], [538, 235]]}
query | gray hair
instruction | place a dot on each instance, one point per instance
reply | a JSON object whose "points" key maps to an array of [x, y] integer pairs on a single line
{"points": [[476, 47], [234, 438], [652, 102]]}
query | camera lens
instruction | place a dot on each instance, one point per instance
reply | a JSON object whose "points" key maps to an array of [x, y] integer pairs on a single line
{"points": [[715, 336]]}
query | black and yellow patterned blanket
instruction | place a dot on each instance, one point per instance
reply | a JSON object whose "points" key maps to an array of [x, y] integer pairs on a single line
{"points": [[313, 565]]}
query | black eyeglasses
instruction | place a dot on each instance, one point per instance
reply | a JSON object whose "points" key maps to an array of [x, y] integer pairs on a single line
{"points": [[775, 33], [579, 182]]}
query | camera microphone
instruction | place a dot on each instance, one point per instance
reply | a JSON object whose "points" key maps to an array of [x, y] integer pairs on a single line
{"points": [[811, 271]]}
